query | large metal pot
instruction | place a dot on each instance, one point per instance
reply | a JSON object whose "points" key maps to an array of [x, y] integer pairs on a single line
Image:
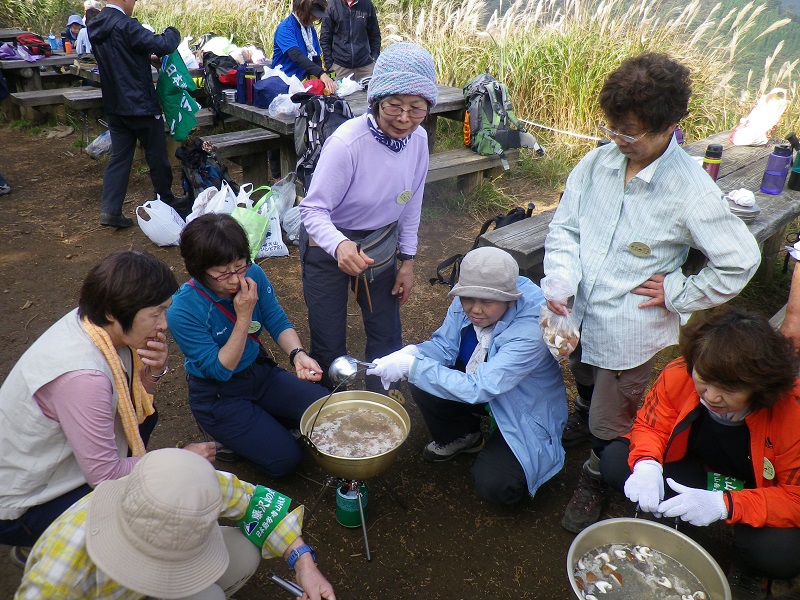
{"points": [[355, 468], [659, 537]]}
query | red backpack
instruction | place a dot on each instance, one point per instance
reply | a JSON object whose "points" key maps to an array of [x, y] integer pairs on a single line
{"points": [[34, 44]]}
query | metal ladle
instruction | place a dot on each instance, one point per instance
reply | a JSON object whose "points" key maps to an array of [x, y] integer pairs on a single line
{"points": [[344, 369]]}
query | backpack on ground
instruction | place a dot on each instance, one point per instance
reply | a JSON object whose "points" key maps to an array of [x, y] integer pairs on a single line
{"points": [[447, 271], [490, 124], [318, 118], [34, 44], [201, 168], [215, 67]]}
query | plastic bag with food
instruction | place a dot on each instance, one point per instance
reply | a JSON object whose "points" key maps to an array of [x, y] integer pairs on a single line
{"points": [[559, 332]]}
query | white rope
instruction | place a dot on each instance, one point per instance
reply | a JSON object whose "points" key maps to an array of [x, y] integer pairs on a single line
{"points": [[578, 135]]}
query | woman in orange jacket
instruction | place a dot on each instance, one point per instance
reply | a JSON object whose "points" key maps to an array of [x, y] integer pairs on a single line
{"points": [[721, 424]]}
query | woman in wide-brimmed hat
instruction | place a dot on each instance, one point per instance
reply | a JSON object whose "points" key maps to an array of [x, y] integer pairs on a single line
{"points": [[154, 534]]}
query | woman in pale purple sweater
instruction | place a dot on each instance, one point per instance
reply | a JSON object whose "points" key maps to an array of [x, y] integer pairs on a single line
{"points": [[361, 214]]}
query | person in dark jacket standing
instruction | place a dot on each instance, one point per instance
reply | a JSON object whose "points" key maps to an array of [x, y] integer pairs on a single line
{"points": [[122, 48], [350, 38]]}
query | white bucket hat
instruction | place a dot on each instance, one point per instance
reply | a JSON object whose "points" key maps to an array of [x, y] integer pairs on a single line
{"points": [[155, 531], [488, 273]]}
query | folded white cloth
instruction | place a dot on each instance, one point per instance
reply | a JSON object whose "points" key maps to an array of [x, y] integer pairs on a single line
{"points": [[742, 197]]}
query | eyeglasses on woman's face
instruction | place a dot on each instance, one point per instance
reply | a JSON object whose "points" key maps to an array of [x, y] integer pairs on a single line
{"points": [[395, 110], [228, 274], [628, 139]]}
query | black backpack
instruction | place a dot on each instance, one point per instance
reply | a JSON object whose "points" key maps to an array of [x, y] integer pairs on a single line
{"points": [[447, 271], [318, 118], [213, 67], [200, 169]]}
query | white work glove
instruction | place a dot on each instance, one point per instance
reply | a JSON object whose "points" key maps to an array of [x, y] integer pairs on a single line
{"points": [[693, 505], [646, 485], [395, 366]]}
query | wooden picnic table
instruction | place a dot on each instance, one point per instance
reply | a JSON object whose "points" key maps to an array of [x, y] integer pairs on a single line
{"points": [[24, 76], [9, 34], [742, 167], [449, 105], [92, 73]]}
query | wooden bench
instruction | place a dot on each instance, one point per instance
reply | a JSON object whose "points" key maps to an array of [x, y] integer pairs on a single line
{"points": [[524, 240], [35, 104], [248, 149], [468, 166]]}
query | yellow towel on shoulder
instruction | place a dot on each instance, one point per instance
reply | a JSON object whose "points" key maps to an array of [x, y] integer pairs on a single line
{"points": [[132, 412]]}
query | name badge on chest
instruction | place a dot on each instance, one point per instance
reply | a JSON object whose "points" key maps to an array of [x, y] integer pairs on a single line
{"points": [[639, 249]]}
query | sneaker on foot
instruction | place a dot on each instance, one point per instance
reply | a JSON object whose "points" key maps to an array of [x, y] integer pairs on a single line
{"points": [[5, 189], [746, 585], [19, 555], [469, 443], [587, 502], [117, 221], [577, 428]]}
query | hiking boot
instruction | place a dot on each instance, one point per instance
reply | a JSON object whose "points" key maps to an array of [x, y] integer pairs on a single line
{"points": [[577, 428], [19, 555], [746, 585], [117, 221], [587, 502], [469, 443]]}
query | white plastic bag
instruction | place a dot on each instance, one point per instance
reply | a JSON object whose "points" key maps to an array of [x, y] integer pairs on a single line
{"points": [[346, 86], [282, 106], [224, 201], [291, 224], [159, 222], [295, 85], [201, 202], [285, 194], [100, 145], [187, 55], [273, 245], [243, 197], [756, 128]]}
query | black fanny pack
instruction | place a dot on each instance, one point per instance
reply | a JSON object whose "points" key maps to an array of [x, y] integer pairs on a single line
{"points": [[380, 246]]}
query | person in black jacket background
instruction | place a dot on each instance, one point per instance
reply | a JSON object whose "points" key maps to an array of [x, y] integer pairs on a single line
{"points": [[123, 49], [350, 38]]}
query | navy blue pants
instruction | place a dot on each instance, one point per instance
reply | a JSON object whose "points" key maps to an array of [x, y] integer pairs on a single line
{"points": [[252, 413], [497, 474], [25, 530], [769, 551], [325, 289], [124, 133]]}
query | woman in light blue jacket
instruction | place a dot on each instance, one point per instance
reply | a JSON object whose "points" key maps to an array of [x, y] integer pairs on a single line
{"points": [[489, 357]]}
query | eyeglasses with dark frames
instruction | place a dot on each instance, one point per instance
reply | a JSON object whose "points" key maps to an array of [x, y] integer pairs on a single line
{"points": [[226, 276], [393, 110], [628, 139]]}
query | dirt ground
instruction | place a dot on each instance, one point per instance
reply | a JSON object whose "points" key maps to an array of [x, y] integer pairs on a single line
{"points": [[446, 543]]}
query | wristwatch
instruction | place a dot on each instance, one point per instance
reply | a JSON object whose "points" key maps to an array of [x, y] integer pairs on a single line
{"points": [[404, 257], [297, 553], [293, 354]]}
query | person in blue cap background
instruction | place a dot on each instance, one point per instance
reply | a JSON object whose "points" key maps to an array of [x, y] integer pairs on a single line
{"points": [[74, 26]]}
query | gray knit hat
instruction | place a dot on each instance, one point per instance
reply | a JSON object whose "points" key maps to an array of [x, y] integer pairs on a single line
{"points": [[404, 68], [488, 273]]}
